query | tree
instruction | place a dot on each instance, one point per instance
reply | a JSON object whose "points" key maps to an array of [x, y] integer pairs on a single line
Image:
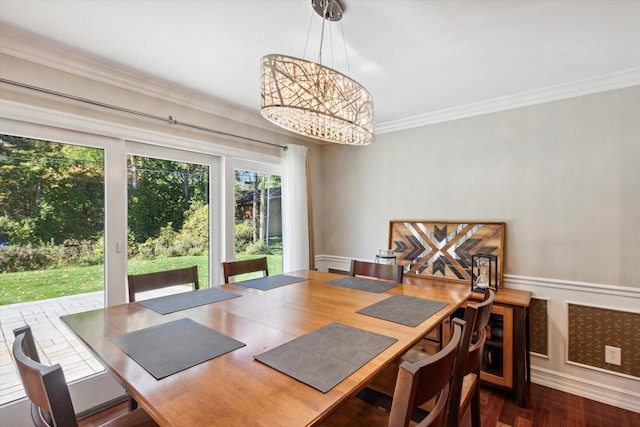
{"points": [[257, 185], [160, 192], [50, 192]]}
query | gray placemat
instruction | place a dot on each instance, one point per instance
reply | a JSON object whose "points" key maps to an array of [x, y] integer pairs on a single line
{"points": [[404, 309], [184, 300], [174, 346], [270, 282], [326, 356], [376, 286]]}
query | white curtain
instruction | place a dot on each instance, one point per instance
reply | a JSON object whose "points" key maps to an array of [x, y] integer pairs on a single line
{"points": [[295, 219]]}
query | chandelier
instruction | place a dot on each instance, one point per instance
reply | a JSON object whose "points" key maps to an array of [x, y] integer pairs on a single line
{"points": [[310, 99]]}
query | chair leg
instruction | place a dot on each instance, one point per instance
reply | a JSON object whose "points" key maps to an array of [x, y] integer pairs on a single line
{"points": [[133, 405], [475, 407]]}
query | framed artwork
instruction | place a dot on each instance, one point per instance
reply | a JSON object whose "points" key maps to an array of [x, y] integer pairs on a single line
{"points": [[443, 249]]}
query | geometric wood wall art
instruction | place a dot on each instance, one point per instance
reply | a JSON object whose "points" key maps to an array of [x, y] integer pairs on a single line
{"points": [[443, 249]]}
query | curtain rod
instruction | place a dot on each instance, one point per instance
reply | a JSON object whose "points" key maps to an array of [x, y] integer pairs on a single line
{"points": [[170, 120]]}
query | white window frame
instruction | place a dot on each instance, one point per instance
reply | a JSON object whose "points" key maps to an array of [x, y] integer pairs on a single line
{"points": [[214, 163]]}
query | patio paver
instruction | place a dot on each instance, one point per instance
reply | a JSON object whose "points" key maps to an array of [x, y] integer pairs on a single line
{"points": [[55, 343]]}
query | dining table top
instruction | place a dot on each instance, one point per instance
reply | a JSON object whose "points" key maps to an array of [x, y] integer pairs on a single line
{"points": [[236, 389]]}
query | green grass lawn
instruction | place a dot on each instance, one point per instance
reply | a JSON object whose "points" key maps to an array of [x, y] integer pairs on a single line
{"points": [[45, 284]]}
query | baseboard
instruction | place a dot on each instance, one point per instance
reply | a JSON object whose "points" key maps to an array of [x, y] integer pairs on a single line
{"points": [[325, 262], [597, 391]]}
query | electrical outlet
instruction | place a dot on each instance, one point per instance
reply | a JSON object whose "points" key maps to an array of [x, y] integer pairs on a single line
{"points": [[612, 355]]}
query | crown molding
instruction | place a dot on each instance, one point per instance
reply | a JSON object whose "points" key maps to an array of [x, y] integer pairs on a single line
{"points": [[29, 47], [619, 80]]}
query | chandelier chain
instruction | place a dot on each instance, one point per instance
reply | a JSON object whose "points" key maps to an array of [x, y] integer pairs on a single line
{"points": [[306, 43], [326, 8], [346, 54]]}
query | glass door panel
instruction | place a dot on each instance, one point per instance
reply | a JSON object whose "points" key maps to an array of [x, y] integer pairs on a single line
{"points": [[168, 217], [51, 249], [258, 219], [497, 357]]}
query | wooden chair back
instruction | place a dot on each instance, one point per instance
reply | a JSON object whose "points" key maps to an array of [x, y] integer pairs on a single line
{"points": [[474, 358], [421, 381], [44, 385], [46, 388], [477, 318], [380, 271], [234, 268], [162, 279]]}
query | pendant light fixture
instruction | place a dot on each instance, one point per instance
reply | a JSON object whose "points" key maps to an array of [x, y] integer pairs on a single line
{"points": [[310, 99]]}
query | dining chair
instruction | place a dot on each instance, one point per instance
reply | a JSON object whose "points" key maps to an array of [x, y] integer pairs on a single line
{"points": [[380, 271], [162, 279], [467, 379], [46, 388], [234, 268], [417, 383], [466, 382]]}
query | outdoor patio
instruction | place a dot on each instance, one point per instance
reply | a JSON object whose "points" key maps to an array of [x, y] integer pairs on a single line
{"points": [[56, 343]]}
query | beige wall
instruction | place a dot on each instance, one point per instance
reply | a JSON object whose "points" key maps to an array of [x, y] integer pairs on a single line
{"points": [[564, 176]]}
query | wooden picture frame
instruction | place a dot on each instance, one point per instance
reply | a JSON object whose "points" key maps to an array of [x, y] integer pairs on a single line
{"points": [[443, 249]]}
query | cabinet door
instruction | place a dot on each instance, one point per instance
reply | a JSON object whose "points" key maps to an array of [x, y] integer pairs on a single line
{"points": [[497, 357]]}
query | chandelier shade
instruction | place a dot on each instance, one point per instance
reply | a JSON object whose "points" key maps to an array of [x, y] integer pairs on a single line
{"points": [[315, 101]]}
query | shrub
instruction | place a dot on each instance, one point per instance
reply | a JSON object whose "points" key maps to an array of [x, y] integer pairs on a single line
{"points": [[23, 258], [79, 253], [244, 235], [15, 258], [257, 248], [195, 230], [192, 239]]}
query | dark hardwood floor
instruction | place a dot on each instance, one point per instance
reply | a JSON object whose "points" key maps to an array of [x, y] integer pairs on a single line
{"points": [[549, 408]]}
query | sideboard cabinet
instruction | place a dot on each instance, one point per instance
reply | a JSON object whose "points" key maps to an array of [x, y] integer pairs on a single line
{"points": [[505, 359]]}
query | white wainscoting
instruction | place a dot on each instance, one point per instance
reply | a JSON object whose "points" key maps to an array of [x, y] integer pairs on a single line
{"points": [[554, 370]]}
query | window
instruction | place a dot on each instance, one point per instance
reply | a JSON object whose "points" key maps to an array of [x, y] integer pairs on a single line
{"points": [[52, 248], [258, 218], [168, 216]]}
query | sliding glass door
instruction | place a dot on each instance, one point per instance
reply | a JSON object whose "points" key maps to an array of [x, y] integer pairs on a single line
{"points": [[258, 218], [168, 211], [52, 259]]}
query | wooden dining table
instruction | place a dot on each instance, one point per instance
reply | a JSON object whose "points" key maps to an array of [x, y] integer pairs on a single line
{"points": [[236, 389]]}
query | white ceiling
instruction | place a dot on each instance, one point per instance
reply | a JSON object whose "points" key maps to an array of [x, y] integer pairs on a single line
{"points": [[419, 59]]}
